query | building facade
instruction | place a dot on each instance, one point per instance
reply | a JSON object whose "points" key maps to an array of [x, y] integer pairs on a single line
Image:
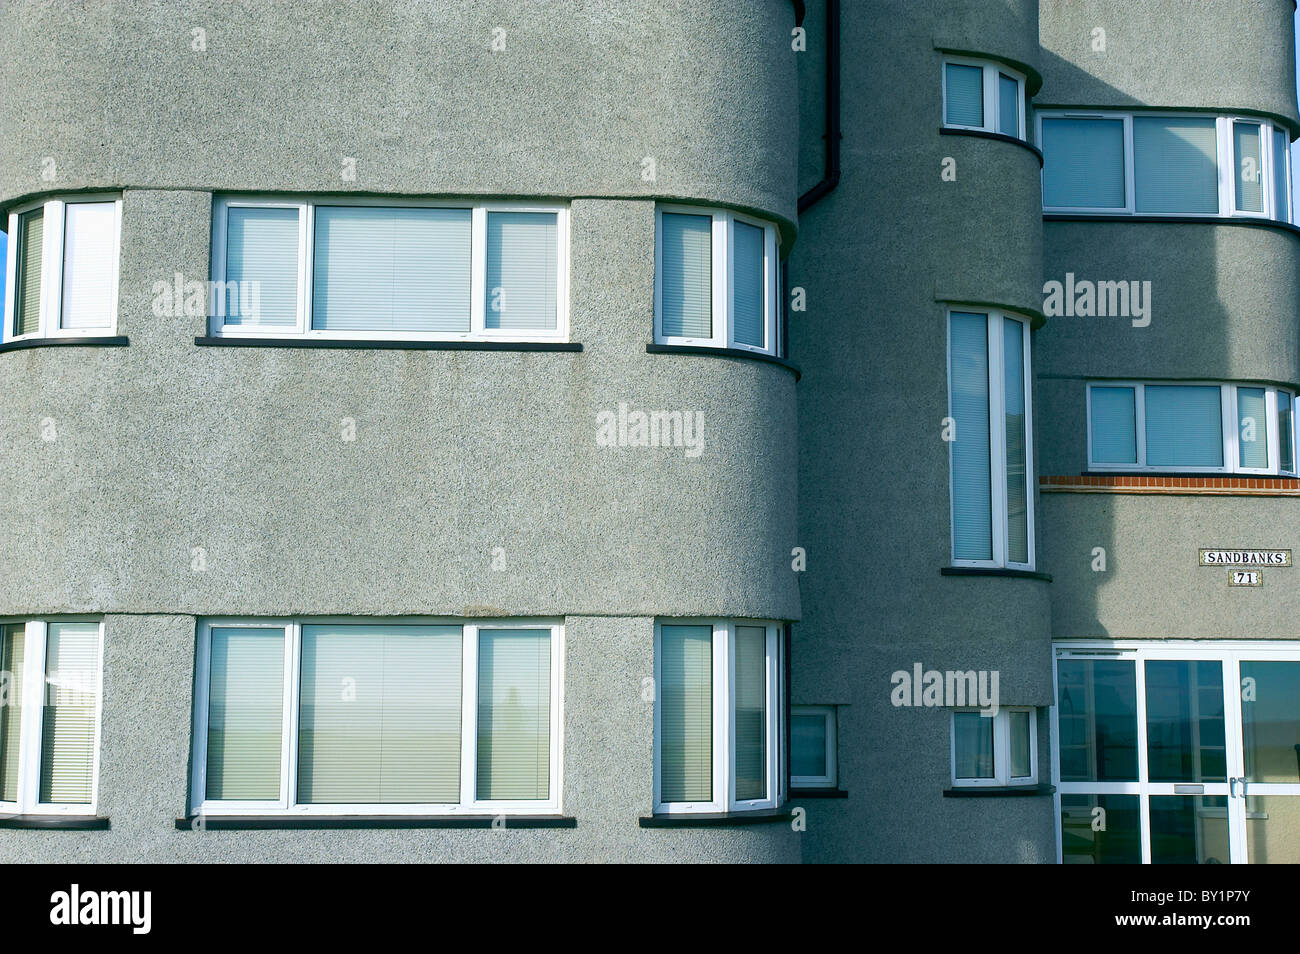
{"points": [[606, 431]]}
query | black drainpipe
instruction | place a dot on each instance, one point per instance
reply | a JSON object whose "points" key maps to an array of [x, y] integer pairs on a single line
{"points": [[832, 137]]}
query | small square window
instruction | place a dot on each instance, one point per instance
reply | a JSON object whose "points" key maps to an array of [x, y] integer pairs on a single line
{"points": [[998, 749], [813, 747]]}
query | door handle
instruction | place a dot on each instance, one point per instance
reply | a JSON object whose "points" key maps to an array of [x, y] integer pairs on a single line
{"points": [[1232, 787]]}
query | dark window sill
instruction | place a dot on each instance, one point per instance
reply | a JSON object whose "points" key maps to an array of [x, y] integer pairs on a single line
{"points": [[766, 816], [381, 344], [322, 822], [1172, 220], [725, 353], [114, 341], [999, 137], [802, 793], [999, 791], [994, 571], [55, 822]]}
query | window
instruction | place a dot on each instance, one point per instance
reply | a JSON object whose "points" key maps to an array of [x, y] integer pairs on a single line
{"points": [[717, 716], [358, 718], [715, 281], [1165, 164], [990, 440], [49, 716], [999, 749], [812, 747], [61, 268], [399, 269], [983, 96], [1207, 428]]}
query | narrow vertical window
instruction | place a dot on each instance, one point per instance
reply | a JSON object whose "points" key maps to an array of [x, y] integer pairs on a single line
{"points": [[12, 643], [1252, 428], [973, 744], [514, 714], [1281, 175], [964, 102], [1286, 430], [750, 713], [262, 256], [27, 286], [686, 714], [1008, 105], [89, 265], [748, 286], [68, 721], [521, 271], [1248, 147], [1017, 440], [687, 276], [972, 516], [245, 714]]}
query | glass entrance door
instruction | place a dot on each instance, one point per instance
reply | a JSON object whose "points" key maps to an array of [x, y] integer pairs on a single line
{"points": [[1185, 753]]}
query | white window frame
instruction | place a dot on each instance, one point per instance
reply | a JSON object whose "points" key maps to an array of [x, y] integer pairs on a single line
{"points": [[1225, 160], [724, 731], [997, 441], [35, 649], [1002, 777], [723, 243], [991, 93], [1229, 417], [287, 805], [52, 252], [479, 211], [831, 778]]}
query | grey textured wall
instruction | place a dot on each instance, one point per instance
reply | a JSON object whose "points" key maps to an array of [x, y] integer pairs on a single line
{"points": [[1224, 55], [878, 257], [163, 447], [580, 95]]}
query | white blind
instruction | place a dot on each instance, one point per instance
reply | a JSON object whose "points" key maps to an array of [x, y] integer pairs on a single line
{"points": [[68, 721], [522, 274], [379, 714], [686, 276], [262, 247], [514, 713], [973, 742], [404, 269], [1184, 426], [1175, 165], [965, 89], [972, 499], [686, 714], [1008, 106], [1083, 163], [245, 713], [1020, 758], [748, 285], [31, 239], [1013, 372], [808, 745], [1281, 181], [1252, 427], [1114, 426], [89, 247], [11, 662], [1247, 146], [751, 712]]}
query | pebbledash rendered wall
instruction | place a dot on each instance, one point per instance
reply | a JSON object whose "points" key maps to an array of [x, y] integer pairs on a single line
{"points": [[164, 446], [881, 258], [1224, 304]]}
